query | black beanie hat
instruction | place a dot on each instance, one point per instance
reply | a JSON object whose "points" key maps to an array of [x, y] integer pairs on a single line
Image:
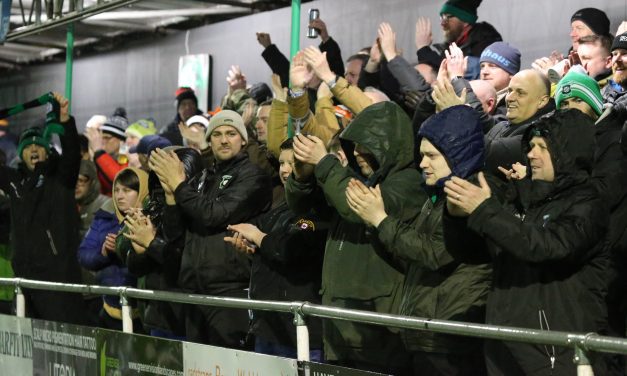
{"points": [[183, 93], [620, 42], [594, 18], [260, 92], [465, 10]]}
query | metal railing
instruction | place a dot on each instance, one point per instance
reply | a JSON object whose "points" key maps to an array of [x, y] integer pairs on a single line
{"points": [[580, 342]]}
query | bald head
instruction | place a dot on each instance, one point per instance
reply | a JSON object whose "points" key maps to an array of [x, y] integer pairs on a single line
{"points": [[528, 92], [375, 95], [486, 94]]}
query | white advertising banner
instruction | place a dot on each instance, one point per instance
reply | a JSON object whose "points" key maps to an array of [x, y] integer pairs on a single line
{"points": [[16, 346], [203, 360]]}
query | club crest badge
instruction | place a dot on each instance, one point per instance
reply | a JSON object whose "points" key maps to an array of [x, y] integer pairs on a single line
{"points": [[225, 181]]}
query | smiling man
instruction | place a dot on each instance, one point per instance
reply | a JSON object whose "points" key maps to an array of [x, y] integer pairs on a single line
{"points": [[614, 92], [527, 99]]}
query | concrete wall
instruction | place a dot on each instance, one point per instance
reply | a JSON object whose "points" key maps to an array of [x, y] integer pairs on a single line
{"points": [[143, 79]]}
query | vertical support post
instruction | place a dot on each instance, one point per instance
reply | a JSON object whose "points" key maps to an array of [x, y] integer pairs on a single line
{"points": [[37, 12], [127, 319], [302, 336], [294, 47], [583, 363], [69, 63], [20, 303]]}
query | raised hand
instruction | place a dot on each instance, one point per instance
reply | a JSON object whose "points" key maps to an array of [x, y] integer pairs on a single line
{"points": [[300, 72], [456, 63], [264, 39], [280, 92], [317, 61], [309, 149], [64, 107], [424, 36], [236, 79], [169, 169], [319, 25], [444, 95], [387, 37]]}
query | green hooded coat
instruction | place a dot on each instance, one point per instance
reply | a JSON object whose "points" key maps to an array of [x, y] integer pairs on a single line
{"points": [[357, 273]]}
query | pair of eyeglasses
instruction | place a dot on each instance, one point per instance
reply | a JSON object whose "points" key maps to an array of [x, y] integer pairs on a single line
{"points": [[445, 17]]}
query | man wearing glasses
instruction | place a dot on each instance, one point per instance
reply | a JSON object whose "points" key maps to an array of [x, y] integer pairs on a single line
{"points": [[458, 19]]}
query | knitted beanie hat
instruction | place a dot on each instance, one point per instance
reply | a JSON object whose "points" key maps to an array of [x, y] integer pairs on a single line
{"points": [[141, 128], [183, 93], [465, 10], [582, 86], [594, 18], [116, 124], [503, 55], [32, 136], [227, 117], [620, 42]]}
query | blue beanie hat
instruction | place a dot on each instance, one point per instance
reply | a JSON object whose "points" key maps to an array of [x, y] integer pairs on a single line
{"points": [[503, 55]]}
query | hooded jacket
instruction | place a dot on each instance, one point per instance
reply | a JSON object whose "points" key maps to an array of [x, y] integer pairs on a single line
{"points": [[436, 284], [356, 271], [111, 269], [44, 221], [93, 200], [232, 191], [548, 249]]}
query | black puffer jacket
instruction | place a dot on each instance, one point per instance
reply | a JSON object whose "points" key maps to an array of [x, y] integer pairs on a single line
{"points": [[288, 267], [549, 249], [44, 218], [234, 191]]}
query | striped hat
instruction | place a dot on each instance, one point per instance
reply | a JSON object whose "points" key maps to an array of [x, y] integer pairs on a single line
{"points": [[115, 125], [578, 85]]}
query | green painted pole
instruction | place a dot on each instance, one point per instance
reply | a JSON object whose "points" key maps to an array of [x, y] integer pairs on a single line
{"points": [[295, 36], [294, 47], [69, 62]]}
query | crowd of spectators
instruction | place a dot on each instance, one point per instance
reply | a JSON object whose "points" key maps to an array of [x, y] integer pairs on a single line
{"points": [[457, 186]]}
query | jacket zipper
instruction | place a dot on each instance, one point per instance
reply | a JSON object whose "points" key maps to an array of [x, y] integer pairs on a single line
{"points": [[17, 194], [545, 323], [54, 249]]}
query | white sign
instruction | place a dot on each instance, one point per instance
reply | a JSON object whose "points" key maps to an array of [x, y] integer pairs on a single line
{"points": [[203, 360], [16, 346]]}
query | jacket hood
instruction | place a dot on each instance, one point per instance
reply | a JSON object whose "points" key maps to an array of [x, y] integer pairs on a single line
{"points": [[458, 134], [482, 35], [88, 168], [386, 131], [570, 138], [143, 189]]}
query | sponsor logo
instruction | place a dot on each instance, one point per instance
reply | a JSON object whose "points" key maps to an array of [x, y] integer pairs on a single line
{"points": [[225, 181], [305, 225]]}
